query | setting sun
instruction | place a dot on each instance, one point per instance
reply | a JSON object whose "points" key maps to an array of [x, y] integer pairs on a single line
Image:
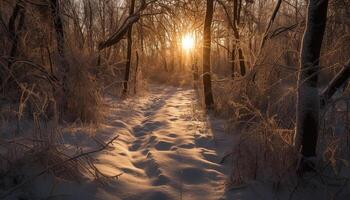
{"points": [[188, 42]]}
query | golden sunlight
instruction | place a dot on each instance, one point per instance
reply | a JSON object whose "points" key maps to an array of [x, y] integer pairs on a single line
{"points": [[188, 42]]}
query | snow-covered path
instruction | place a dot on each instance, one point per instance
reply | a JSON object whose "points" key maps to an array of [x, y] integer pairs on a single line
{"points": [[165, 151]]}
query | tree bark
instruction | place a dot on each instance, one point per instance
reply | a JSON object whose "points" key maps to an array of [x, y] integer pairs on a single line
{"points": [[18, 12], [233, 61], [308, 100], [241, 60], [64, 66], [58, 24], [136, 72], [236, 19], [14, 30], [208, 94], [129, 50], [90, 24]]}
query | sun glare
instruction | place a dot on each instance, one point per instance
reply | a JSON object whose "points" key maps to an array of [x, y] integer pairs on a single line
{"points": [[188, 42]]}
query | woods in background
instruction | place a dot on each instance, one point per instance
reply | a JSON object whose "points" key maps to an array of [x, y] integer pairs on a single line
{"points": [[262, 70]]}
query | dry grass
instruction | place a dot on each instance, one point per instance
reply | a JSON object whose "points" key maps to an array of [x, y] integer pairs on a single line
{"points": [[262, 116], [32, 140], [264, 150], [25, 158], [84, 101]]}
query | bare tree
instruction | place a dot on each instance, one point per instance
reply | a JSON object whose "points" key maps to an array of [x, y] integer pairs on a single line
{"points": [[129, 50], [14, 29], [208, 94], [308, 99], [60, 40], [237, 46]]}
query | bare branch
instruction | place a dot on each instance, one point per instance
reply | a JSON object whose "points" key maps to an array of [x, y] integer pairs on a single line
{"points": [[271, 21], [335, 84], [129, 21]]}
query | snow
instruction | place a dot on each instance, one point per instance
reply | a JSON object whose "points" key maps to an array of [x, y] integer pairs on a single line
{"points": [[167, 149], [163, 152]]}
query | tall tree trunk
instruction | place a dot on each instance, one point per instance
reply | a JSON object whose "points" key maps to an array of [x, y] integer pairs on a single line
{"points": [[236, 41], [129, 50], [195, 72], [233, 60], [241, 60], [136, 72], [14, 31], [208, 94], [58, 24], [90, 31], [18, 12], [308, 100], [64, 66]]}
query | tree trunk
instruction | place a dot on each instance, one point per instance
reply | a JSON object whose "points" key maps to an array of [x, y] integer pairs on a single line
{"points": [[208, 95], [241, 60], [58, 24], [90, 31], [236, 41], [14, 31], [233, 61], [136, 72], [308, 100], [64, 67], [129, 51]]}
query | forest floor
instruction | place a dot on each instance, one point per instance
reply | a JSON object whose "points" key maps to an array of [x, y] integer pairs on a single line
{"points": [[167, 149]]}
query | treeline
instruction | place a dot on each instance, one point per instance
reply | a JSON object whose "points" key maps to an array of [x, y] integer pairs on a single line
{"points": [[260, 62]]}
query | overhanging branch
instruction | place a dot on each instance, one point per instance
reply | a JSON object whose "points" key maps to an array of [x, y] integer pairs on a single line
{"points": [[128, 22], [335, 84]]}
